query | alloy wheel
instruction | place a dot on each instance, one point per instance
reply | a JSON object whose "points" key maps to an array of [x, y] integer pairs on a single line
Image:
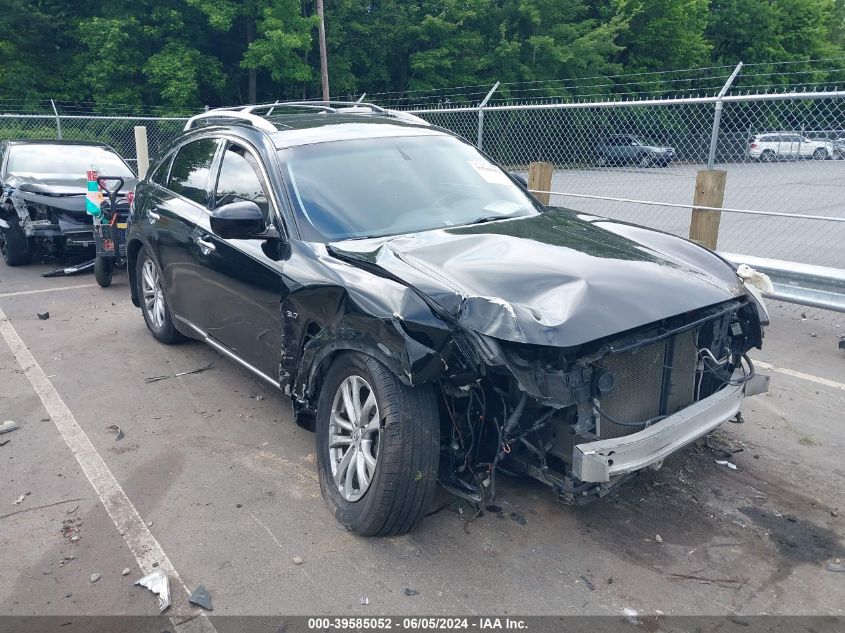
{"points": [[354, 437], [153, 294]]}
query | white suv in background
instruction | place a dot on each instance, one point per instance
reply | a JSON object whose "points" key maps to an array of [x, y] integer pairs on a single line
{"points": [[778, 145]]}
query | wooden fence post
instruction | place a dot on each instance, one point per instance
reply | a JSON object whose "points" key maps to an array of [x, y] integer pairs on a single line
{"points": [[141, 151], [540, 179], [709, 192]]}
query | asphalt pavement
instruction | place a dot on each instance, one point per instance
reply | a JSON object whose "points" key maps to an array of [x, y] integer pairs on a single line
{"points": [[213, 482]]}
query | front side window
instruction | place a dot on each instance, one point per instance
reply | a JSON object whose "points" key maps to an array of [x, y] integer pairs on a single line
{"points": [[189, 174], [388, 186], [239, 180]]}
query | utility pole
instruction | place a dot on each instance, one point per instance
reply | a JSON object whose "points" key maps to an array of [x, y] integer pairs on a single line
{"points": [[324, 66]]}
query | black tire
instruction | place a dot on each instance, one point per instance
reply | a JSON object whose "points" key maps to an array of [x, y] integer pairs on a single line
{"points": [[645, 161], [103, 270], [767, 156], [820, 154], [166, 331], [603, 160], [15, 245], [405, 473]]}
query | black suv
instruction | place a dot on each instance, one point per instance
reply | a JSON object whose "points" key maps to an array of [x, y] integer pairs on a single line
{"points": [[427, 314]]}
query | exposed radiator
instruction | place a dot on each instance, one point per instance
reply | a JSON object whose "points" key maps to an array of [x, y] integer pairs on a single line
{"points": [[658, 379]]}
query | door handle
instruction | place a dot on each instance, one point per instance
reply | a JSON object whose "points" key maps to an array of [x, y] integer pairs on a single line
{"points": [[205, 246], [154, 217]]}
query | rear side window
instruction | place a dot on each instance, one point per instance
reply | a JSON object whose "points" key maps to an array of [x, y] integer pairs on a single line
{"points": [[189, 175], [239, 180], [158, 175]]}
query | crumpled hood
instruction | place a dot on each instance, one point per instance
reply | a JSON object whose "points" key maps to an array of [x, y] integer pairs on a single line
{"points": [[62, 191], [560, 278]]}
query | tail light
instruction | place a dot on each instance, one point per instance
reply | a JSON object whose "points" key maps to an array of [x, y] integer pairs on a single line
{"points": [[753, 145]]}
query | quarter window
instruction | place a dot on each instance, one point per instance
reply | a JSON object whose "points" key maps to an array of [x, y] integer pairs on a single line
{"points": [[239, 180], [189, 175]]}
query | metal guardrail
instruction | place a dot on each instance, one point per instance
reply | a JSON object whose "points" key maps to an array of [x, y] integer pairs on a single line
{"points": [[805, 284]]}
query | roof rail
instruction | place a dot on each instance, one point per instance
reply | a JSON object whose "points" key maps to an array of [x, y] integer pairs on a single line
{"points": [[248, 114], [231, 113]]}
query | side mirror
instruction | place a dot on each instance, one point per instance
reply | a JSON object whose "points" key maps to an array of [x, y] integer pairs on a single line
{"points": [[241, 220], [519, 178]]}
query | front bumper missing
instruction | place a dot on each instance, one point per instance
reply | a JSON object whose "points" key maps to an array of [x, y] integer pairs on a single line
{"points": [[599, 461]]}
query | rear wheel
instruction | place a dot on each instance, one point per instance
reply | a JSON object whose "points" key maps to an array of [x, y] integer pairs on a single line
{"points": [[602, 161], [377, 447], [767, 156], [154, 302], [103, 270], [645, 160], [15, 245]]}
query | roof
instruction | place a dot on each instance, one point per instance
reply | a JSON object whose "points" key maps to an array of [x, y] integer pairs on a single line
{"points": [[306, 129], [293, 123]]}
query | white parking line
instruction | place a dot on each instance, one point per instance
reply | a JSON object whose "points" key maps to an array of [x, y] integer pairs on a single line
{"points": [[799, 374], [3, 295], [143, 545]]}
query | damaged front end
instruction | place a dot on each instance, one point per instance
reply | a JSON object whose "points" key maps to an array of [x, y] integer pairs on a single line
{"points": [[585, 419], [570, 348], [53, 218]]}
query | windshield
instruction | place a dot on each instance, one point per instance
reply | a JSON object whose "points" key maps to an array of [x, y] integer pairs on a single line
{"points": [[44, 158], [387, 186]]}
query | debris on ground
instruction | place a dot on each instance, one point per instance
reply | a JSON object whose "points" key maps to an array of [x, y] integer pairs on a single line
{"points": [[126, 571], [157, 583], [95, 577], [43, 315], [411, 592], [117, 430], [297, 560], [4, 442], [201, 598], [365, 600], [705, 579], [19, 500], [838, 566], [658, 538], [724, 462], [198, 370], [8, 426], [516, 517], [588, 582], [631, 615]]}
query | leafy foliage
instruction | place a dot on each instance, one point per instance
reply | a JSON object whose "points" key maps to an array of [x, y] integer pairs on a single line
{"points": [[182, 54]]}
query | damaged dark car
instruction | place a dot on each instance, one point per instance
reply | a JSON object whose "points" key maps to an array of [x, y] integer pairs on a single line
{"points": [[43, 185], [430, 316]]}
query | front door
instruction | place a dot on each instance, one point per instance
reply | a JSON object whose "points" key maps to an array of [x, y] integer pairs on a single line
{"points": [[242, 279]]}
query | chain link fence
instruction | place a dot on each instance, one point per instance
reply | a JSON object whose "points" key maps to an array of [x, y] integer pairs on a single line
{"points": [[783, 153], [116, 131]]}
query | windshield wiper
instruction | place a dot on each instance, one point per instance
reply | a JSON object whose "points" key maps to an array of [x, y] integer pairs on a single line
{"points": [[492, 218]]}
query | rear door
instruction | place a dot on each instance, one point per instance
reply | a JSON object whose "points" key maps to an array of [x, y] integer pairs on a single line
{"points": [[172, 213], [241, 280]]}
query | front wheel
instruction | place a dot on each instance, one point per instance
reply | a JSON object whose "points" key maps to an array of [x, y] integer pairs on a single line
{"points": [[15, 245], [154, 302], [820, 154], [103, 270], [377, 447]]}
